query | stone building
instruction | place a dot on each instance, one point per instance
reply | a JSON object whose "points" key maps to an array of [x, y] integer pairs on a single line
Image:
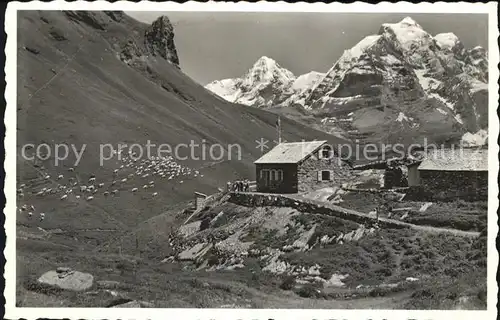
{"points": [[451, 173], [300, 167]]}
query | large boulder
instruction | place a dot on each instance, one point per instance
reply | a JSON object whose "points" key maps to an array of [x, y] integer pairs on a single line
{"points": [[67, 279]]}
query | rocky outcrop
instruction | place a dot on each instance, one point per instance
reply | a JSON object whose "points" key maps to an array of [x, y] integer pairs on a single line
{"points": [[91, 18], [159, 40]]}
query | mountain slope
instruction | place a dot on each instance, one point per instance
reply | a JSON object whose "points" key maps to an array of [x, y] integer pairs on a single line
{"points": [[102, 78]]}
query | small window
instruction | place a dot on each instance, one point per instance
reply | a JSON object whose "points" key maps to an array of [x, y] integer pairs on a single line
{"points": [[325, 175], [326, 152]]}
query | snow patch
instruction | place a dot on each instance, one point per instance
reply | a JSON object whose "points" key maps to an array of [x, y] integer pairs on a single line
{"points": [[307, 80], [407, 32], [475, 139], [441, 111], [446, 40], [390, 59], [443, 100], [402, 117], [427, 83], [360, 47]]}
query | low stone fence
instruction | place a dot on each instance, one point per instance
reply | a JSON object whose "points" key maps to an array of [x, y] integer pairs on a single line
{"points": [[253, 199]]}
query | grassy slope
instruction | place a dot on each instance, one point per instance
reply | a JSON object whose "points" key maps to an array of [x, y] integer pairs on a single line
{"points": [[76, 91]]}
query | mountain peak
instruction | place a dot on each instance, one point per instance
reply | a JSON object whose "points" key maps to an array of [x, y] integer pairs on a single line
{"points": [[409, 21]]}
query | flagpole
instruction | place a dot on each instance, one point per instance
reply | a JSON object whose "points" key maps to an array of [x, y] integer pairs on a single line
{"points": [[279, 129]]}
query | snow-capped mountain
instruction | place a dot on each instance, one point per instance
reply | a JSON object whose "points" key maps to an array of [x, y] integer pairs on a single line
{"points": [[403, 83], [265, 84], [399, 85]]}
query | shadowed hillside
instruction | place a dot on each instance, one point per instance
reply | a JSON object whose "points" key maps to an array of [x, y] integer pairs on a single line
{"points": [[104, 78]]}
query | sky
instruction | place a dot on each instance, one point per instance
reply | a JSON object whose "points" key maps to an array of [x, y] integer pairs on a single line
{"points": [[219, 45]]}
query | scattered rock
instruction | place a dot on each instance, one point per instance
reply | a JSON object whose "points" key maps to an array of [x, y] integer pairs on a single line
{"points": [[195, 252], [32, 50], [276, 266], [134, 304], [301, 243], [57, 35], [425, 207], [336, 280], [190, 228], [72, 280], [108, 284]]}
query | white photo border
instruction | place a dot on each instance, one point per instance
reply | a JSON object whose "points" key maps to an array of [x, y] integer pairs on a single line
{"points": [[13, 312]]}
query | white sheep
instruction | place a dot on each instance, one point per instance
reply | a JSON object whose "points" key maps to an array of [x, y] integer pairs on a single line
{"points": [[90, 198], [155, 194], [114, 191], [30, 214], [78, 197], [64, 197], [92, 179], [47, 177], [59, 177], [83, 188], [151, 182], [134, 189], [100, 185], [106, 193], [71, 169], [124, 180], [115, 171], [42, 216], [145, 186], [32, 207], [113, 183], [22, 186]]}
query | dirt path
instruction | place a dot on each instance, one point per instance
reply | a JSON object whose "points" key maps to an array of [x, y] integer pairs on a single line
{"points": [[296, 201]]}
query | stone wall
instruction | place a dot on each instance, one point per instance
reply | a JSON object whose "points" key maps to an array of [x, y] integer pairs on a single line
{"points": [[307, 173], [309, 206], [455, 184]]}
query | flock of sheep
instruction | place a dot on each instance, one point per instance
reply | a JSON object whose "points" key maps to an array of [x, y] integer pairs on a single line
{"points": [[128, 173]]}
